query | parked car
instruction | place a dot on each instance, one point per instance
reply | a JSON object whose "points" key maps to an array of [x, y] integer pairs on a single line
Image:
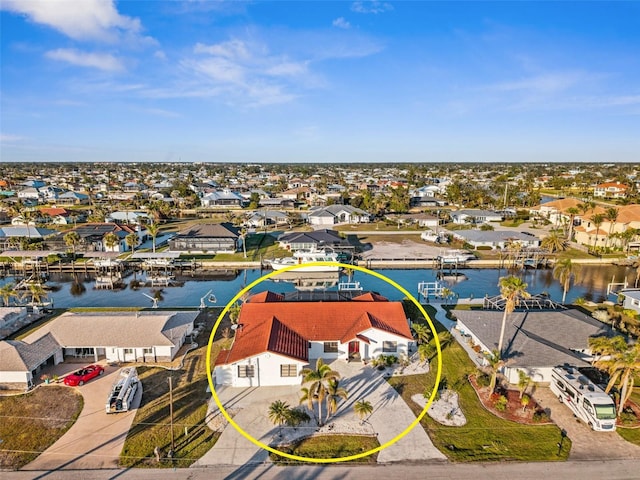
{"points": [[82, 376]]}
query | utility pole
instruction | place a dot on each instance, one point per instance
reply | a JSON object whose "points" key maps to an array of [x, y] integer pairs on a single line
{"points": [[171, 413]]}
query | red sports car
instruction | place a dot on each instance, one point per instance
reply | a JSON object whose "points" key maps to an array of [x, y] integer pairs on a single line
{"points": [[80, 377]]}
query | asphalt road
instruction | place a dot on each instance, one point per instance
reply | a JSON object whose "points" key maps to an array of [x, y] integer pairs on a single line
{"points": [[584, 470]]}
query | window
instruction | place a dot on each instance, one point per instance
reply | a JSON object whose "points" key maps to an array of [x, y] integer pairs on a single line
{"points": [[128, 351], [147, 351], [389, 346], [330, 347], [246, 371], [289, 370]]}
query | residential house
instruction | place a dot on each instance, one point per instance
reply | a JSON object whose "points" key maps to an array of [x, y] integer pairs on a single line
{"points": [[475, 216], [135, 217], [334, 214], [277, 337], [610, 190], [72, 198], [496, 239], [631, 300], [309, 240], [263, 218], [92, 237], [610, 233], [10, 236], [207, 237], [115, 336], [224, 198], [534, 341]]}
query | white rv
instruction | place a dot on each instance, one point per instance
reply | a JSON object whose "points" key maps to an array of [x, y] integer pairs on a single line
{"points": [[123, 391], [587, 401]]}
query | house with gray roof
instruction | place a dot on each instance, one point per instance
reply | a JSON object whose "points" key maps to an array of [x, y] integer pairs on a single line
{"points": [[207, 237], [222, 198], [114, 336], [534, 341], [334, 214], [309, 240], [631, 300], [496, 238], [473, 215]]}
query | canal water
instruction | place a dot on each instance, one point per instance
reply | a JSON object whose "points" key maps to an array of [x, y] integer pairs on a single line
{"points": [[67, 292]]}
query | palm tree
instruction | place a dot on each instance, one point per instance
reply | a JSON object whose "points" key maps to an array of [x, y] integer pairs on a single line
{"points": [[572, 211], [72, 239], [622, 362], [362, 409], [334, 394], [132, 241], [6, 292], [38, 294], [524, 381], [317, 378], [597, 220], [564, 270], [153, 228], [554, 242], [422, 331], [495, 363], [279, 412], [512, 290], [110, 240], [611, 215]]}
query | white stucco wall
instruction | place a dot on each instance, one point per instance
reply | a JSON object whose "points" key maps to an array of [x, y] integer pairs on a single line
{"points": [[15, 377], [377, 338], [266, 371], [537, 374]]}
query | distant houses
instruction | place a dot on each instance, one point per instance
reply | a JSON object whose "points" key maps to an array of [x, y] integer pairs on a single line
{"points": [[207, 237], [496, 239], [475, 216], [334, 214]]}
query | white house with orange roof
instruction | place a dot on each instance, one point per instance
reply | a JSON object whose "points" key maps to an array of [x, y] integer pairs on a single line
{"points": [[619, 233], [277, 337], [610, 190]]}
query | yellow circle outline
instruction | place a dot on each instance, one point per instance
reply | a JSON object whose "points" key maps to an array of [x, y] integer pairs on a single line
{"points": [[323, 460]]}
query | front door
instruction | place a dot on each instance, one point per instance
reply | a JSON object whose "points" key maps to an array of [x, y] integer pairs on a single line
{"points": [[354, 350]]}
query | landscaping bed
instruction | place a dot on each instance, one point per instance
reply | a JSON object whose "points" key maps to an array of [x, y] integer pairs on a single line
{"points": [[31, 423], [328, 446]]}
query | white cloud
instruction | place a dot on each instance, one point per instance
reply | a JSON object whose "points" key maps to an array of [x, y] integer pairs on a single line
{"points": [[160, 55], [9, 138], [80, 20], [101, 61], [341, 22], [373, 6], [235, 49], [545, 83]]}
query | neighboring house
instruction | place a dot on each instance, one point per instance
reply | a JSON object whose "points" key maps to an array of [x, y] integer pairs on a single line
{"points": [[628, 220], [419, 219], [309, 240], [427, 196], [299, 193], [129, 218], [534, 341], [631, 299], [207, 237], [264, 218], [496, 238], [277, 202], [224, 198], [92, 237], [610, 190], [72, 198], [57, 216], [476, 216], [10, 235], [334, 214], [11, 319], [147, 336], [277, 337]]}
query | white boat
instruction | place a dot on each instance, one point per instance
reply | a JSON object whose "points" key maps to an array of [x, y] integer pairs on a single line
{"points": [[301, 257], [456, 256]]}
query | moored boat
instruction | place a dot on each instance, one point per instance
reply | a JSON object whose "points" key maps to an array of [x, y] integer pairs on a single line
{"points": [[301, 257]]}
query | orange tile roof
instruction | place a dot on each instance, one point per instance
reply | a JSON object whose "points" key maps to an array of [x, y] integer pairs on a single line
{"points": [[285, 327], [628, 214]]}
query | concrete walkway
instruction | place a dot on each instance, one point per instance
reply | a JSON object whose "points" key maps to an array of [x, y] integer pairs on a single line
{"points": [[96, 439], [391, 416]]}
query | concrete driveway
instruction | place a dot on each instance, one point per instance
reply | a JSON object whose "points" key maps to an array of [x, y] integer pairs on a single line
{"points": [[391, 416], [96, 439], [586, 443]]}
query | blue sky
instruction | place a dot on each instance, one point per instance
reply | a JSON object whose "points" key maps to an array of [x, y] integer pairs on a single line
{"points": [[98, 80]]}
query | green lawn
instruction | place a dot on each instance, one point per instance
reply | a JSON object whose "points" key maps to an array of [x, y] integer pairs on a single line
{"points": [[31, 423], [485, 437], [631, 434], [151, 426], [330, 446]]}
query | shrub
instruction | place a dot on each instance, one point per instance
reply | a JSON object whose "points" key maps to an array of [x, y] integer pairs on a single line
{"points": [[483, 380], [501, 403], [541, 415], [628, 416]]}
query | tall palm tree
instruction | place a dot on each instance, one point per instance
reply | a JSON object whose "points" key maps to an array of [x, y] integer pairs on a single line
{"points": [[597, 220], [279, 412], [131, 241], [611, 215], [335, 393], [72, 239], [422, 331], [110, 240], [572, 211], [317, 380], [7, 291], [495, 363], [564, 270], [512, 290], [37, 293], [153, 228], [362, 409], [622, 362]]}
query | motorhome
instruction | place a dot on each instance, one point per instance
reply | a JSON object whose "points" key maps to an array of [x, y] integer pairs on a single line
{"points": [[587, 401], [123, 391]]}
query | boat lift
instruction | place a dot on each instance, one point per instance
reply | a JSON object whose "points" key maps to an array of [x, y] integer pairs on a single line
{"points": [[210, 297], [430, 289]]}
